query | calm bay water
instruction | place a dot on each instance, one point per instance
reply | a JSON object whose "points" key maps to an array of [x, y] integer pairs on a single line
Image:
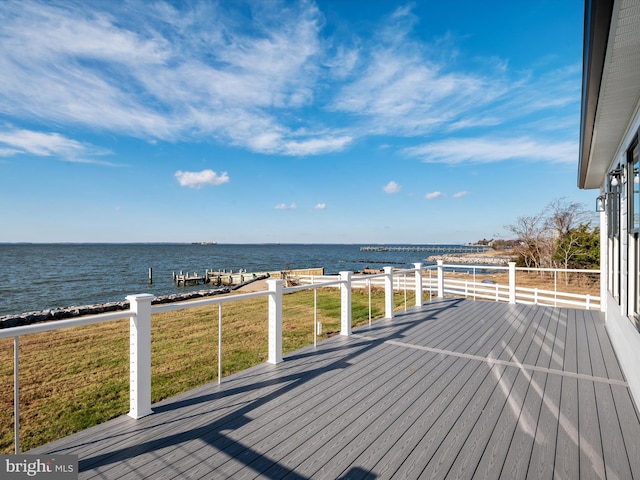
{"points": [[41, 276]]}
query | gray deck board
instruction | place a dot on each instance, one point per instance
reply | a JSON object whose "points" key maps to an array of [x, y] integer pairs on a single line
{"points": [[597, 331], [352, 412], [516, 463], [590, 442], [453, 389], [567, 458], [415, 463], [614, 452], [343, 439], [560, 341], [629, 429], [542, 459], [437, 399], [493, 457]]}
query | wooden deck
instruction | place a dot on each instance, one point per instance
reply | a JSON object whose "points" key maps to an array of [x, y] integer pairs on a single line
{"points": [[454, 389]]}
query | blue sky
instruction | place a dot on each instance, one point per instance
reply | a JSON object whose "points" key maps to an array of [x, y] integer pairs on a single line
{"points": [[280, 121]]}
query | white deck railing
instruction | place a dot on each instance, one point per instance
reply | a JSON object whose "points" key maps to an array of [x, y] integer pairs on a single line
{"points": [[439, 281], [432, 280]]}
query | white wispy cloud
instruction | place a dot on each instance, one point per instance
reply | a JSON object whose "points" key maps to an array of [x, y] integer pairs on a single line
{"points": [[391, 187], [156, 71], [491, 150], [315, 146], [9, 152], [284, 206], [173, 72], [402, 86], [200, 179], [29, 142], [432, 195], [460, 194], [320, 206]]}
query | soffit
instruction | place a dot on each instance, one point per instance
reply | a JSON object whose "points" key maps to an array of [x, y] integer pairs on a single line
{"points": [[619, 90]]}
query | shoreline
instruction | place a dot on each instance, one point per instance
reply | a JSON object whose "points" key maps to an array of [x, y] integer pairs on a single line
{"points": [[257, 283], [492, 257]]}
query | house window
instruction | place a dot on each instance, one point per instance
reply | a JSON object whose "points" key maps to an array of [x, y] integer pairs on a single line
{"points": [[634, 233], [634, 189]]}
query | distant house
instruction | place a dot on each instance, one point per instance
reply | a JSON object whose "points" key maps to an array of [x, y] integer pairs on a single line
{"points": [[609, 131]]}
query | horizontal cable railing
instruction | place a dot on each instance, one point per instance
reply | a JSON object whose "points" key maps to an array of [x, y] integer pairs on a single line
{"points": [[441, 280]]}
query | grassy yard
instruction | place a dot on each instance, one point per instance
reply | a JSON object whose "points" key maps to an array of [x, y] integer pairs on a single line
{"points": [[75, 378]]}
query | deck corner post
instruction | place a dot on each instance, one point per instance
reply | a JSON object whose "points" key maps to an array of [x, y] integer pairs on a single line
{"points": [[512, 283], [140, 355], [275, 320], [440, 279], [388, 292], [418, 267], [345, 303]]}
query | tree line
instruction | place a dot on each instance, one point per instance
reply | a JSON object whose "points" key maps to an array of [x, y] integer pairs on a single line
{"points": [[562, 235]]}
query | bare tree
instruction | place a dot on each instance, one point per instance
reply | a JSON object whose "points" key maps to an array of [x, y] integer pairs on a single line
{"points": [[530, 231], [564, 216], [541, 235]]}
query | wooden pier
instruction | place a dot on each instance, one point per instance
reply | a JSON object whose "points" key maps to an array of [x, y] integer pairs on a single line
{"points": [[434, 248], [185, 279], [214, 277]]}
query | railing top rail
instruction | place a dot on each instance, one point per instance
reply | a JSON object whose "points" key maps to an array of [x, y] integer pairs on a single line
{"points": [[563, 270], [368, 276], [60, 324], [169, 307], [311, 286], [463, 266], [471, 267]]}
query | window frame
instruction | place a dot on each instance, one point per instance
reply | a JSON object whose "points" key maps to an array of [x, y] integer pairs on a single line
{"points": [[633, 192]]}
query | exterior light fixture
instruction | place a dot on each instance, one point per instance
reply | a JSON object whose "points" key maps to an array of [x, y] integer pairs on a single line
{"points": [[600, 203], [616, 176]]}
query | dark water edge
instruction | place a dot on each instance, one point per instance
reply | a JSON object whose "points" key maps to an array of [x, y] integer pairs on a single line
{"points": [[43, 276]]}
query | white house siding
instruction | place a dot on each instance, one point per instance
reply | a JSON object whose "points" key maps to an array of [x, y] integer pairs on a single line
{"points": [[624, 335]]}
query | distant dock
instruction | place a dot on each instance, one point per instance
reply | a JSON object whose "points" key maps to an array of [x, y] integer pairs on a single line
{"points": [[434, 248], [215, 278]]}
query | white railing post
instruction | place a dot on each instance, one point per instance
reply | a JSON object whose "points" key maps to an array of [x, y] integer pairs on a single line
{"points": [[512, 282], [440, 279], [140, 355], [275, 320], [418, 267], [475, 285], [345, 303], [388, 292]]}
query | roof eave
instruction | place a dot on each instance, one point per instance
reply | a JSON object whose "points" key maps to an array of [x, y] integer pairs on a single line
{"points": [[597, 22]]}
